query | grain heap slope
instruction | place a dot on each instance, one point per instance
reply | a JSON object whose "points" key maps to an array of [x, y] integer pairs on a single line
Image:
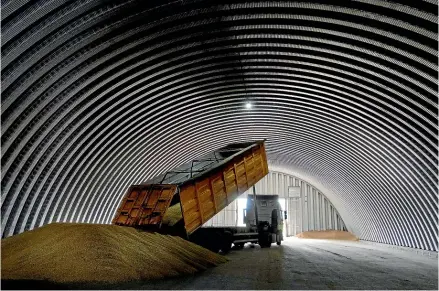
{"points": [[68, 252], [328, 234], [173, 215]]}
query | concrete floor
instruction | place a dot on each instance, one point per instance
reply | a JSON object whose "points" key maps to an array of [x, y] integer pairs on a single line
{"points": [[313, 264], [297, 264]]}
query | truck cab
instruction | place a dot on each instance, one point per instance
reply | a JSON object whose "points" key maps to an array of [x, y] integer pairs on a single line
{"points": [[264, 215]]}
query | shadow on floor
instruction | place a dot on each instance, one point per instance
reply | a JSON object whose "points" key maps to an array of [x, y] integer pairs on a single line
{"points": [[31, 285]]}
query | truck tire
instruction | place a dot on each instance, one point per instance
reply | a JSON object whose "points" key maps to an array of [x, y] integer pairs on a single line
{"points": [[264, 240], [213, 248], [207, 239], [265, 244], [212, 242], [226, 241], [279, 238]]}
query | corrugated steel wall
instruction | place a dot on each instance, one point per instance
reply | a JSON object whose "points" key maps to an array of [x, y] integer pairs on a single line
{"points": [[100, 95], [312, 210]]}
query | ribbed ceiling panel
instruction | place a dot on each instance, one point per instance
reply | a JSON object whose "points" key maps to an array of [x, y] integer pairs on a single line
{"points": [[98, 95]]}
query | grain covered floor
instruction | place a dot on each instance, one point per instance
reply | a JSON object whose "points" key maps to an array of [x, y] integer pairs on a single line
{"points": [[314, 264], [309, 264]]}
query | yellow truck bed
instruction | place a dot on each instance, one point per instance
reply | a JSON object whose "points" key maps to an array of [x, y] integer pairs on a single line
{"points": [[202, 190]]}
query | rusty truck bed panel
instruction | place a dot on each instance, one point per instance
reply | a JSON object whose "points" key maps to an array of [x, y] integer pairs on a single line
{"points": [[201, 196], [144, 205]]}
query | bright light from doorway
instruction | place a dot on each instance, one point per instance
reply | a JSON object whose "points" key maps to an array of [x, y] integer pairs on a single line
{"points": [[242, 204]]}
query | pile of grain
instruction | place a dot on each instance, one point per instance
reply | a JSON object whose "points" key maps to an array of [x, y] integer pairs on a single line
{"points": [[67, 252], [328, 234], [172, 215]]}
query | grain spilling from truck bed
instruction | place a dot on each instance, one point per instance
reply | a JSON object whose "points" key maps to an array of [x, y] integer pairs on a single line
{"points": [[328, 234], [69, 252], [172, 215]]}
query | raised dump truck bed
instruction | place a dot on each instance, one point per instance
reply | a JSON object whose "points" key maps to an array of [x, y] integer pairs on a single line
{"points": [[195, 191]]}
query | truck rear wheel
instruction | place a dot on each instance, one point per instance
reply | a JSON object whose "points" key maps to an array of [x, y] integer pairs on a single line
{"points": [[264, 240], [265, 244], [227, 240], [208, 239], [212, 243]]}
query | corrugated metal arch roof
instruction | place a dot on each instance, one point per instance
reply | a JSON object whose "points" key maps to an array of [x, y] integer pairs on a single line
{"points": [[97, 95]]}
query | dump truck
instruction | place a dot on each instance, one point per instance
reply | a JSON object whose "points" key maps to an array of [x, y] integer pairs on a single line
{"points": [[181, 200]]}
